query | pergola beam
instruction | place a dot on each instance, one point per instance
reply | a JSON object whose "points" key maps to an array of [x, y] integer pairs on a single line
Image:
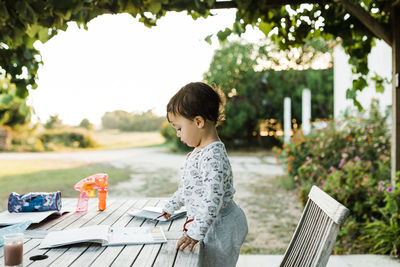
{"points": [[369, 22]]}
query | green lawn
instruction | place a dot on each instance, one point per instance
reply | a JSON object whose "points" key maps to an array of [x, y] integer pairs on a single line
{"points": [[23, 176]]}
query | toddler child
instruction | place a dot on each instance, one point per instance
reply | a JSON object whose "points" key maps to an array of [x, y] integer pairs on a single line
{"points": [[206, 188]]}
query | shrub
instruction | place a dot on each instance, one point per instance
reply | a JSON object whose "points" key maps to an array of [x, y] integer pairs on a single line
{"points": [[169, 133], [382, 236], [73, 138], [85, 123], [53, 122], [350, 160], [25, 138]]}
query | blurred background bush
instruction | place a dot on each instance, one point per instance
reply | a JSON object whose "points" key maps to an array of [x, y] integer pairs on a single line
{"points": [[350, 160]]}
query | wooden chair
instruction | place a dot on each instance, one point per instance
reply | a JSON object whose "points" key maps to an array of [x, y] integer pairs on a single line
{"points": [[316, 232]]}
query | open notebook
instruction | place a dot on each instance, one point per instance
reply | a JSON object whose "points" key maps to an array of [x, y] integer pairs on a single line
{"points": [[7, 218], [153, 213], [105, 235]]}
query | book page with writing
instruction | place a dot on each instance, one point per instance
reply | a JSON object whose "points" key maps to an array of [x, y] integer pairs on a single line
{"points": [[135, 235], [94, 233]]}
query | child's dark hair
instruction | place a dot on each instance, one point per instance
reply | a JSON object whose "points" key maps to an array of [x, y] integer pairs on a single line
{"points": [[197, 99]]}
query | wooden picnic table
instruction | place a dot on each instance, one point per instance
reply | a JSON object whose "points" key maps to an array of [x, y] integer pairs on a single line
{"points": [[93, 254]]}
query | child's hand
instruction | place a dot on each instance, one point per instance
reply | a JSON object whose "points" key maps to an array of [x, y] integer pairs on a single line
{"points": [[185, 241], [166, 215]]}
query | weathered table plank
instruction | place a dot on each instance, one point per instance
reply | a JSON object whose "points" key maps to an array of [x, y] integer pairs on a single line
{"points": [[130, 254], [168, 251]]}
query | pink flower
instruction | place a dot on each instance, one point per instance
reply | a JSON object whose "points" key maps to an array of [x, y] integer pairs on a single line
{"points": [[381, 188], [356, 158], [381, 183], [389, 189], [341, 163], [331, 169]]}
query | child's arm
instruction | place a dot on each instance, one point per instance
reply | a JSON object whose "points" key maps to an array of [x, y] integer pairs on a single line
{"points": [[175, 202]]}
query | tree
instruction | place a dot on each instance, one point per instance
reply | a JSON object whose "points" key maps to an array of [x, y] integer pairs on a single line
{"points": [[24, 22], [125, 121], [13, 109], [253, 96], [53, 122], [114, 119], [232, 70], [85, 123]]}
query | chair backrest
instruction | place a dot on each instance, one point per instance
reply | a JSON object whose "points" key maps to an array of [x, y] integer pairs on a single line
{"points": [[316, 232]]}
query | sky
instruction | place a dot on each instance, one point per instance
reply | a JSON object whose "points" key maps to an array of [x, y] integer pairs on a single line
{"points": [[119, 64]]}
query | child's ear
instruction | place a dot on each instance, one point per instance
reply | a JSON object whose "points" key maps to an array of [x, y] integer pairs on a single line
{"points": [[199, 120]]}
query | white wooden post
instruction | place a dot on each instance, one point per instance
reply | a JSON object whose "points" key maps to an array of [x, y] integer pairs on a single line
{"points": [[306, 111], [287, 120]]}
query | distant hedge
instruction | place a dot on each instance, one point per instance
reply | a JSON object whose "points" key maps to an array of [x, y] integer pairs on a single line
{"points": [[73, 138], [132, 122]]}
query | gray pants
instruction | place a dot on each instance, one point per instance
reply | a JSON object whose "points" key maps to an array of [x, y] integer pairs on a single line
{"points": [[221, 245]]}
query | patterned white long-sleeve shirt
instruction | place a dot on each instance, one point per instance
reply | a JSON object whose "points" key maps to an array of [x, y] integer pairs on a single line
{"points": [[205, 188]]}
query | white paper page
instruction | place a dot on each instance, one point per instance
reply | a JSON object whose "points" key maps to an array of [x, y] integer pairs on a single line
{"points": [[7, 218], [144, 214], [94, 233], [135, 235], [153, 212]]}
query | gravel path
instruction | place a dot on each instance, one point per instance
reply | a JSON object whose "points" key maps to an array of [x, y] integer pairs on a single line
{"points": [[272, 211]]}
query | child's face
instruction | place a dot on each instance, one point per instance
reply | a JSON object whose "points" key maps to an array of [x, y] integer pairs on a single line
{"points": [[187, 130]]}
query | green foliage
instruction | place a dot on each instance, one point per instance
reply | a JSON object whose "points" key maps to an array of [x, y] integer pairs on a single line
{"points": [[53, 122], [169, 133], [113, 120], [232, 70], [24, 22], [85, 123], [65, 137], [13, 109], [35, 139], [25, 138], [320, 82], [382, 236], [350, 160], [125, 121], [295, 25], [255, 96]]}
